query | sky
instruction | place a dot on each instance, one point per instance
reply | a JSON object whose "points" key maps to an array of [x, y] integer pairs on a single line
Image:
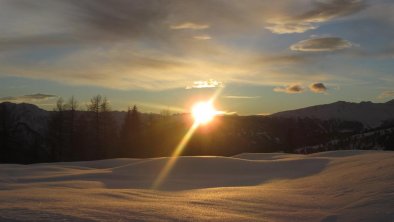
{"points": [[264, 56]]}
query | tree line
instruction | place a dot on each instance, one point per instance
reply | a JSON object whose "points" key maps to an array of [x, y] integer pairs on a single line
{"points": [[91, 134], [72, 132], [98, 133]]}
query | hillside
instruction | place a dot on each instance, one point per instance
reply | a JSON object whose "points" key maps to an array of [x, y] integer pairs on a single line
{"points": [[368, 113], [329, 186], [29, 134]]}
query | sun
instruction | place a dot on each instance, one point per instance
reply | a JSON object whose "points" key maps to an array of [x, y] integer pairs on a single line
{"points": [[203, 112]]}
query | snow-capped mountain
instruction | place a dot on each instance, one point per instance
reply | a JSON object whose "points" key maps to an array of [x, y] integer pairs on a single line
{"points": [[368, 113]]}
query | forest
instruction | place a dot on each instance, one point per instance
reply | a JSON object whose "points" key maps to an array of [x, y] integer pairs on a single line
{"points": [[72, 132]]}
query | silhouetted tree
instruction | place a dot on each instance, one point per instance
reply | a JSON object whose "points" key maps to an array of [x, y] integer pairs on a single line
{"points": [[5, 131], [103, 126], [82, 143], [57, 131], [71, 124], [130, 134], [62, 130], [9, 133]]}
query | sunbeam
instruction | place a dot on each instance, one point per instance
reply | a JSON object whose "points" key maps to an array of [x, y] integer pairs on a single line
{"points": [[179, 148], [172, 160], [161, 107]]}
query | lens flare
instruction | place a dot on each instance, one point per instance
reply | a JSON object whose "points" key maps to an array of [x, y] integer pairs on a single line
{"points": [[203, 112], [172, 160]]}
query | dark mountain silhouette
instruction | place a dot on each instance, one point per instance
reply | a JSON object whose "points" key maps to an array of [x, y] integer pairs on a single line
{"points": [[29, 134], [368, 113]]}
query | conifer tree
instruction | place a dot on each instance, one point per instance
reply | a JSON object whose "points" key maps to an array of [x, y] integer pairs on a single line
{"points": [[131, 134]]}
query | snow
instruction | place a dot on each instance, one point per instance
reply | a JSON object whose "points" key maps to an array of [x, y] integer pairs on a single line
{"points": [[329, 186], [266, 156]]}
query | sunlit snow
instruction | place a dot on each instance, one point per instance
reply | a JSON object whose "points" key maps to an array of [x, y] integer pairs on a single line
{"points": [[330, 186]]}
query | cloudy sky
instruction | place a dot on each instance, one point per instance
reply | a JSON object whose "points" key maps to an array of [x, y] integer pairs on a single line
{"points": [[264, 56]]}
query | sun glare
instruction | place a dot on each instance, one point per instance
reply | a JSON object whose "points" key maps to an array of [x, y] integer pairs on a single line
{"points": [[203, 112]]}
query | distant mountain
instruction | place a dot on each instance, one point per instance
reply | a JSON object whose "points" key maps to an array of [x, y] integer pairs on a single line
{"points": [[29, 134], [36, 118], [28, 114], [368, 113]]}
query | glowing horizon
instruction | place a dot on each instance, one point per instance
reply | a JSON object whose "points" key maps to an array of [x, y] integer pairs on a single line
{"points": [[269, 56]]}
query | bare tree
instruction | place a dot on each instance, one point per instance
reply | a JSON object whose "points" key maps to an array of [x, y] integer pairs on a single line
{"points": [[71, 107], [56, 131], [103, 125], [62, 127]]}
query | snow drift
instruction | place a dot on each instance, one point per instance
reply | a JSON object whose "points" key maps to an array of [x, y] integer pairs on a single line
{"points": [[330, 186]]}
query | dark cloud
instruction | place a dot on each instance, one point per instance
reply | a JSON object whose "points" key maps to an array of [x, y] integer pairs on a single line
{"points": [[27, 98], [321, 44], [291, 89], [328, 9], [321, 11], [157, 22], [318, 88], [92, 21], [122, 17]]}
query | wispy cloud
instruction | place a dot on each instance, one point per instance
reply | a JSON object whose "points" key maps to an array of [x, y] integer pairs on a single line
{"points": [[27, 98], [386, 94], [284, 59], [318, 88], [241, 97], [322, 11], [291, 89], [190, 25], [202, 37], [284, 27], [321, 44], [157, 45], [205, 84]]}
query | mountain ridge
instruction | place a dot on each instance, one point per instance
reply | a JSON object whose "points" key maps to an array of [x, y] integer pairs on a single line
{"points": [[366, 112], [369, 113]]}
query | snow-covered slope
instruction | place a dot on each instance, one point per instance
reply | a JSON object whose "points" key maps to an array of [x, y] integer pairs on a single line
{"points": [[331, 186], [368, 113]]}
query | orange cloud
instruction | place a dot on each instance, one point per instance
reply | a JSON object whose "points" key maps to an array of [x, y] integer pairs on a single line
{"points": [[291, 89]]}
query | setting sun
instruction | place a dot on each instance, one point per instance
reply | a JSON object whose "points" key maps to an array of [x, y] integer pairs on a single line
{"points": [[203, 112], [207, 110]]}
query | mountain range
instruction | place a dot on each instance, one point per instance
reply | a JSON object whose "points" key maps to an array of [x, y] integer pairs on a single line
{"points": [[368, 113], [30, 134]]}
